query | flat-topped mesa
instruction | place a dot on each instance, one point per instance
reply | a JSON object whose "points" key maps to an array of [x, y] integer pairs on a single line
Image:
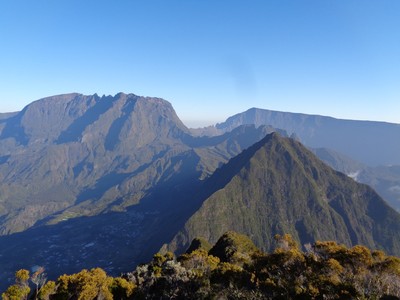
{"points": [[75, 117], [372, 143]]}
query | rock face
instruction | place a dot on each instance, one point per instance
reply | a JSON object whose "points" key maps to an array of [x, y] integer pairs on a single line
{"points": [[278, 186], [73, 150], [372, 143]]}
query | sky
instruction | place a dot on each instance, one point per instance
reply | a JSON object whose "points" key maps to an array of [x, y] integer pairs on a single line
{"points": [[211, 59]]}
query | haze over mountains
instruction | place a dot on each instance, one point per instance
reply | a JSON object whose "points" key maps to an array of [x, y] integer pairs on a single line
{"points": [[107, 181], [370, 142], [384, 179]]}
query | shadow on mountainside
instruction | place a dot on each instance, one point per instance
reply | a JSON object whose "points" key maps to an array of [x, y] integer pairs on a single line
{"points": [[76, 129], [114, 241]]}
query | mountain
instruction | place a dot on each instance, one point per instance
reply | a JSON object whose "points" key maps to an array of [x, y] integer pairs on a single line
{"points": [[120, 167], [277, 186], [77, 154], [372, 143], [364, 150], [73, 155], [88, 180]]}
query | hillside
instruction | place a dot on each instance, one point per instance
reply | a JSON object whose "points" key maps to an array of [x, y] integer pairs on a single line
{"points": [[278, 186]]}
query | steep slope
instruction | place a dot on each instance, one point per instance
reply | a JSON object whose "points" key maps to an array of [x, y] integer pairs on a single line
{"points": [[383, 179], [373, 143], [278, 186]]}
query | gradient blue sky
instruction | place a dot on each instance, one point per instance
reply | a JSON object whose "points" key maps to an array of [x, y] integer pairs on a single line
{"points": [[210, 59]]}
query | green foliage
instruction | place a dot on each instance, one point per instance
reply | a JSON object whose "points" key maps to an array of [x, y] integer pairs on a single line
{"points": [[85, 285], [228, 274], [199, 243], [327, 270], [122, 288], [199, 262], [16, 292], [162, 278], [20, 290], [285, 242], [22, 276], [234, 247], [47, 289]]}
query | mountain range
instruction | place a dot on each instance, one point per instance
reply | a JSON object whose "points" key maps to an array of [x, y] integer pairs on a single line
{"points": [[370, 142], [365, 150], [109, 180]]}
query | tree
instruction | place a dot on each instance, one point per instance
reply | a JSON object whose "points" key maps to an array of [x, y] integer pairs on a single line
{"points": [[38, 279], [20, 290], [47, 289], [85, 285], [121, 288]]}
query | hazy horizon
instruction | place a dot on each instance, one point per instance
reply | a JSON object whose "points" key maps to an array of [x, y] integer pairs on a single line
{"points": [[209, 59], [198, 123]]}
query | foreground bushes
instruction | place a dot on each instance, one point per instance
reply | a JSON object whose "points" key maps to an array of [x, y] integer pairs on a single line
{"points": [[233, 269]]}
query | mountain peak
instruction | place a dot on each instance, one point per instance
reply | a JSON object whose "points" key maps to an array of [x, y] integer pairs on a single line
{"points": [[278, 186]]}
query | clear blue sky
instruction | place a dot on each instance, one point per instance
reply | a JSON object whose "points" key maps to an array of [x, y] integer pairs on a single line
{"points": [[210, 59]]}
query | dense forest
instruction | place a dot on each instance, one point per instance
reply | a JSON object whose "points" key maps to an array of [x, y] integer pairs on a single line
{"points": [[233, 268]]}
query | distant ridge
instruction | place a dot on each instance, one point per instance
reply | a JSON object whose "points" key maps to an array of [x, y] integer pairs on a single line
{"points": [[373, 143], [4, 116]]}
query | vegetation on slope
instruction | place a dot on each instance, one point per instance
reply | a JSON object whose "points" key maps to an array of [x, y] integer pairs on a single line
{"points": [[233, 269], [278, 186]]}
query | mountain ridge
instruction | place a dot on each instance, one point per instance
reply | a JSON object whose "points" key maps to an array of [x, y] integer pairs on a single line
{"points": [[254, 110], [271, 184], [365, 137]]}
